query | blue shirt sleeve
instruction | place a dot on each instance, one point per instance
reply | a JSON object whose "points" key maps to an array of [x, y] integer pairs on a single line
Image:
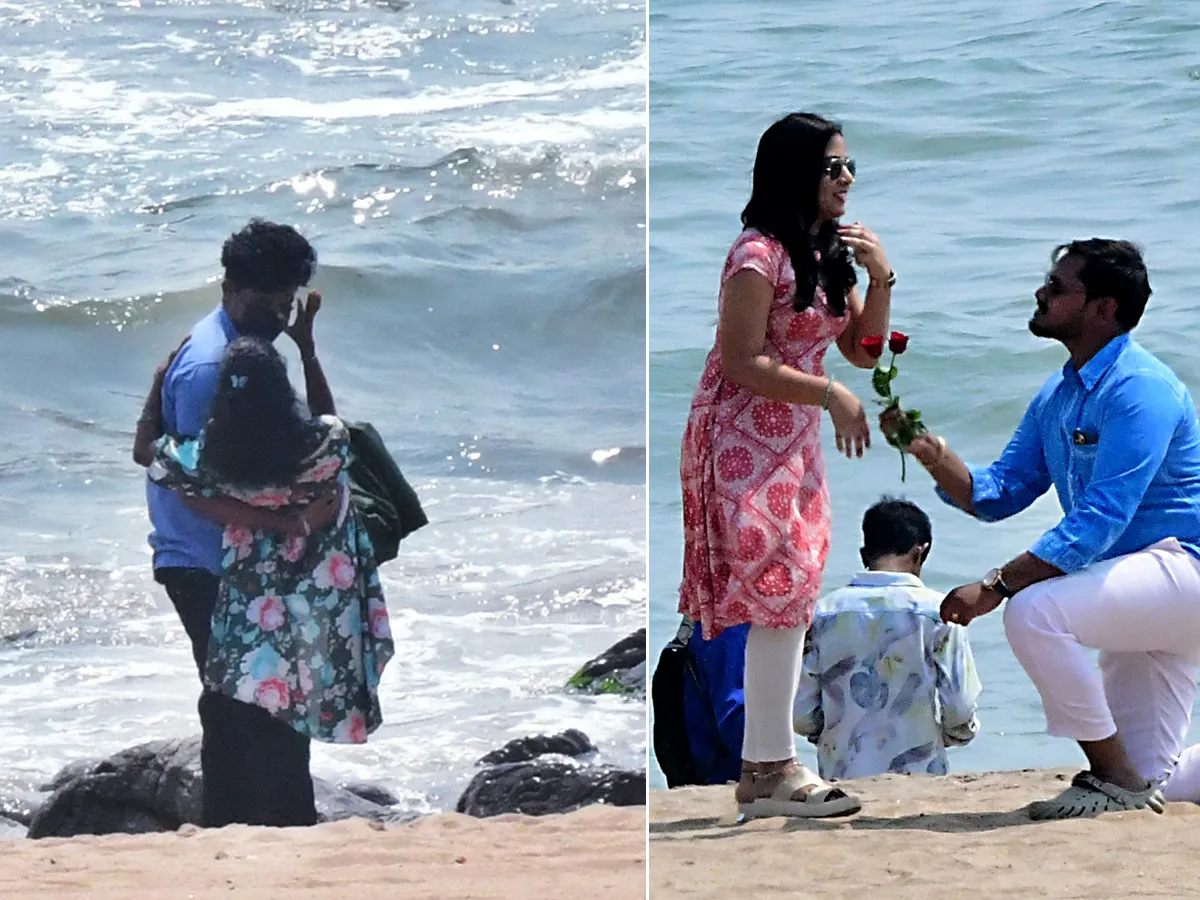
{"points": [[1009, 485], [189, 394], [1141, 416]]}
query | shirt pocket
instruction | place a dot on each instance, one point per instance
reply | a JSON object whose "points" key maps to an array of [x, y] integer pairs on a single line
{"points": [[1083, 462]]}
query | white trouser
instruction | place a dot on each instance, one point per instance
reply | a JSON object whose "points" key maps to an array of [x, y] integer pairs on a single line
{"points": [[1142, 612], [773, 658]]}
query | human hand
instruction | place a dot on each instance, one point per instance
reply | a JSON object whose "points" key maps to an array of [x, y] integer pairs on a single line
{"points": [[300, 329], [969, 602], [849, 421], [926, 446], [868, 251], [320, 513]]}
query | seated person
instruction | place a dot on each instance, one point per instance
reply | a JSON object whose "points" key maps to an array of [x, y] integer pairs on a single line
{"points": [[885, 685]]}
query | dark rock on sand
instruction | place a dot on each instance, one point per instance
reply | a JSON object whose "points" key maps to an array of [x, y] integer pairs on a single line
{"points": [[373, 793], [151, 787], [544, 786], [534, 776], [621, 669], [571, 742], [157, 787]]}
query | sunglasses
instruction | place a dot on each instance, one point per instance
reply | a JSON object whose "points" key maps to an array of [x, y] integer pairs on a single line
{"points": [[835, 165]]}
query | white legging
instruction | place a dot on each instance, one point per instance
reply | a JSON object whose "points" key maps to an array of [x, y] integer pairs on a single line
{"points": [[773, 657]]}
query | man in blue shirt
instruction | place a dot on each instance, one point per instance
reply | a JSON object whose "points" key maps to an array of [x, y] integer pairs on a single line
{"points": [[1115, 433], [244, 748]]}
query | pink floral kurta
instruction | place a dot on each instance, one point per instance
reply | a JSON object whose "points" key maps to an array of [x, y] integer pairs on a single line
{"points": [[755, 501]]}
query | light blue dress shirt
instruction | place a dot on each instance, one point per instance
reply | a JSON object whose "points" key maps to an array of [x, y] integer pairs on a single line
{"points": [[181, 538], [1119, 441]]}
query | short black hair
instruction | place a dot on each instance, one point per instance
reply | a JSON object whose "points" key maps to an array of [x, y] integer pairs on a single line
{"points": [[266, 256], [894, 527], [1114, 269]]}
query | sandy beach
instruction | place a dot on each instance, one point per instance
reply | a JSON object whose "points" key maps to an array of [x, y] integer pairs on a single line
{"points": [[447, 856], [922, 837]]}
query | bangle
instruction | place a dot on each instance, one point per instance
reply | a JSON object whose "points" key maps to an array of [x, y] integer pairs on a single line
{"points": [[890, 281], [307, 527], [828, 394]]}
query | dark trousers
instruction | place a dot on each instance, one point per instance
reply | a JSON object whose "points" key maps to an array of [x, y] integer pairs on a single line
{"points": [[255, 766]]}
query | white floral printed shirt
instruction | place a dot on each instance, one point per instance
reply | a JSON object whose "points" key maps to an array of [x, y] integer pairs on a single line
{"points": [[885, 685]]}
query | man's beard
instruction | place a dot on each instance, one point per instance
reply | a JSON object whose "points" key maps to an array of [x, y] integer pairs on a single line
{"points": [[260, 323], [1064, 332]]}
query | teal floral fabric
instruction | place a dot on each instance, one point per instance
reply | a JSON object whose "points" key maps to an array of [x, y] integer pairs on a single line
{"points": [[300, 627]]}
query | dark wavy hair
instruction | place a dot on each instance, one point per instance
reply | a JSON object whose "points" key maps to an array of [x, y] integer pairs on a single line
{"points": [[266, 256], [1112, 268], [788, 170], [258, 433]]}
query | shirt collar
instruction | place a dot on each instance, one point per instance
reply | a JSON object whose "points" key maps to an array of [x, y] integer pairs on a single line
{"points": [[886, 579], [226, 323], [1097, 367]]}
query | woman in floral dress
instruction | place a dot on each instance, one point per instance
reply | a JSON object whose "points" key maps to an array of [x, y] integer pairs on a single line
{"points": [[300, 628], [755, 500]]}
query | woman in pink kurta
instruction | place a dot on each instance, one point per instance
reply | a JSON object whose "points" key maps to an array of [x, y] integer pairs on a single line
{"points": [[755, 499]]}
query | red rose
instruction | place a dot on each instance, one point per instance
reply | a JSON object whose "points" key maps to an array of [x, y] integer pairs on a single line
{"points": [[899, 342], [873, 345]]}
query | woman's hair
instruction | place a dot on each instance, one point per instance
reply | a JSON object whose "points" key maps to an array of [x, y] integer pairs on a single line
{"points": [[258, 433], [784, 204]]}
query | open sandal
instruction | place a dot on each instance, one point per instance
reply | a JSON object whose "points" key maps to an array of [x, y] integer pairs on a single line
{"points": [[818, 801], [1090, 796]]}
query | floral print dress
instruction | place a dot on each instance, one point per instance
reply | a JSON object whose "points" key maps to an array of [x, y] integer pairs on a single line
{"points": [[300, 627], [755, 500]]}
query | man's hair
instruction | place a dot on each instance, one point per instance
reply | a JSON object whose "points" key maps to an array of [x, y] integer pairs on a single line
{"points": [[894, 527], [1112, 269], [265, 256]]}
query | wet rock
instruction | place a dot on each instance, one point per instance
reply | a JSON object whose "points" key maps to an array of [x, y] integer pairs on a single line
{"points": [[544, 786], [70, 772], [157, 786], [571, 742], [621, 669], [371, 792], [21, 807], [536, 776]]}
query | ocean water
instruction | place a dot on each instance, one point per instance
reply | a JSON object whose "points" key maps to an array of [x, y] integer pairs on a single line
{"points": [[472, 174], [985, 135]]}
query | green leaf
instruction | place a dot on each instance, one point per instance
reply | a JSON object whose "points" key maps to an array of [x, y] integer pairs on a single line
{"points": [[893, 374], [881, 381]]}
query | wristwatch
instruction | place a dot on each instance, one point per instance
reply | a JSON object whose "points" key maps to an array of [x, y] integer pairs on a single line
{"points": [[890, 281], [994, 581]]}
